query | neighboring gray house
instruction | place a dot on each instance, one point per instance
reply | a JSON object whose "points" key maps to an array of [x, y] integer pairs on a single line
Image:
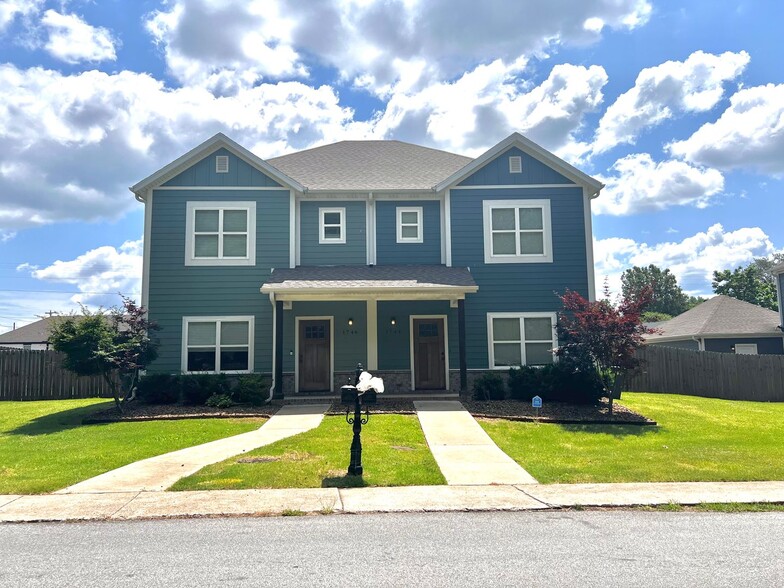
{"points": [[422, 265], [723, 324], [34, 336]]}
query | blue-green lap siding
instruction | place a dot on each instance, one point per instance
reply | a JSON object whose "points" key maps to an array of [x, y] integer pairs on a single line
{"points": [[350, 342], [390, 252], [177, 290], [240, 174], [394, 341], [516, 287], [496, 172], [765, 345], [352, 252]]}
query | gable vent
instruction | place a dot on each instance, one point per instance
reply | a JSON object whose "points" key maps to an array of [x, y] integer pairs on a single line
{"points": [[515, 164], [221, 164]]}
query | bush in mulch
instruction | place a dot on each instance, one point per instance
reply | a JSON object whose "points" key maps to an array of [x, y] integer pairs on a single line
{"points": [[558, 412], [199, 389], [557, 382]]}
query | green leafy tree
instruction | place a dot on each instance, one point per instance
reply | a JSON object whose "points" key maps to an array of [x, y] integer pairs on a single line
{"points": [[667, 297], [115, 345], [749, 284]]}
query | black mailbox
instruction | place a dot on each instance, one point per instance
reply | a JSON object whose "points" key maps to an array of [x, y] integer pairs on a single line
{"points": [[348, 395]]}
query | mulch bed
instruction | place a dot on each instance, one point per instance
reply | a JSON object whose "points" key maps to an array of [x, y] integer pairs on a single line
{"points": [[551, 412]]}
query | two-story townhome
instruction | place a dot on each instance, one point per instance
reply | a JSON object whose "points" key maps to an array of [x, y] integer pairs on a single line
{"points": [[424, 266]]}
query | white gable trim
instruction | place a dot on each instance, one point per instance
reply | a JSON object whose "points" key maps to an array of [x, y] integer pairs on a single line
{"points": [[529, 147], [211, 145]]}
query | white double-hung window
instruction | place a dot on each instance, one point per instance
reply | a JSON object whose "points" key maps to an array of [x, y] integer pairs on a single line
{"points": [[521, 338], [332, 225], [220, 233], [409, 224], [217, 344], [517, 231]]}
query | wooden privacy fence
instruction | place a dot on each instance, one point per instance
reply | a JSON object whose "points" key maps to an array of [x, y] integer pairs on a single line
{"points": [[709, 374], [40, 375]]}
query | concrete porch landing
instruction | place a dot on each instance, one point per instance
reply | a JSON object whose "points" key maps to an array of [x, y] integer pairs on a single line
{"points": [[158, 473], [463, 451]]}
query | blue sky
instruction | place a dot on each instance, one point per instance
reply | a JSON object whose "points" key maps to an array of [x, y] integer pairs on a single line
{"points": [[677, 107]]}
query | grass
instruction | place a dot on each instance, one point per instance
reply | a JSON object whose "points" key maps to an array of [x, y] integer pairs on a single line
{"points": [[730, 507], [697, 439], [394, 454], [44, 446]]}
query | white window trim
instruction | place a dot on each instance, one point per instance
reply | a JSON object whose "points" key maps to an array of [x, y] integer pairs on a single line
{"points": [[322, 239], [190, 237], [748, 346], [546, 257], [187, 320], [520, 316], [419, 224]]}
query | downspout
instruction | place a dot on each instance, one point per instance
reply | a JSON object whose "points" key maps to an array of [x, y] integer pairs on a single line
{"points": [[700, 343], [274, 350]]}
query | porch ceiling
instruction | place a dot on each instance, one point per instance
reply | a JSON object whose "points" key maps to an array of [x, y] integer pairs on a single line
{"points": [[392, 282]]}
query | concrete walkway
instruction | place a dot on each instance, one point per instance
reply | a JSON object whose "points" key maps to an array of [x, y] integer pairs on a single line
{"points": [[462, 449], [146, 505], [158, 473]]}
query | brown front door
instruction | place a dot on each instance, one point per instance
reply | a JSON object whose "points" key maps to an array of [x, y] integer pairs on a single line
{"points": [[314, 347], [429, 356]]}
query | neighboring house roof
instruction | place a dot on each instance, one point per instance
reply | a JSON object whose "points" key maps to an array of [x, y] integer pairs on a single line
{"points": [[370, 166], [370, 278], [37, 332], [778, 269], [720, 315]]}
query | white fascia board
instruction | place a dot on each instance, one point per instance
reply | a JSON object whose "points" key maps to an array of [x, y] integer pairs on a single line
{"points": [[212, 144], [529, 147]]}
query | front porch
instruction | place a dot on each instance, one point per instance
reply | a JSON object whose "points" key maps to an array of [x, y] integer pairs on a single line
{"points": [[405, 324]]}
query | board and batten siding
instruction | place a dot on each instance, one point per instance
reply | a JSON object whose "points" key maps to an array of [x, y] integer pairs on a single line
{"points": [[352, 252], [240, 174], [177, 290], [516, 287], [389, 251], [496, 172]]}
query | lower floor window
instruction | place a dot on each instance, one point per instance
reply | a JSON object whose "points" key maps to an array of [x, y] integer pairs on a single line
{"points": [[522, 338], [218, 344]]}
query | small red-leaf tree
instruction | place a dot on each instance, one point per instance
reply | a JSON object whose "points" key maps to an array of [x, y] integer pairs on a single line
{"points": [[115, 345], [598, 335]]}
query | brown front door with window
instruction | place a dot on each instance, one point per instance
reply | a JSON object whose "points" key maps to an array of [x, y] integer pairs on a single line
{"points": [[314, 353], [429, 355]]}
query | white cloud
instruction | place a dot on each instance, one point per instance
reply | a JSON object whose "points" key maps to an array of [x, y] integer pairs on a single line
{"points": [[748, 135], [693, 260], [371, 40], [665, 91], [72, 40], [99, 274], [641, 185], [11, 9]]}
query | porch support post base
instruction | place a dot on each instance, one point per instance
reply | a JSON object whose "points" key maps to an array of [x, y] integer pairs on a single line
{"points": [[461, 344], [278, 373]]}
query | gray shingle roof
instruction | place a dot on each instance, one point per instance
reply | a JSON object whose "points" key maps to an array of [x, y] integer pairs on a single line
{"points": [[37, 332], [387, 277], [720, 315], [369, 165]]}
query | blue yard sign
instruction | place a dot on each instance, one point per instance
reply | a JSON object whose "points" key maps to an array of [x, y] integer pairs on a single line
{"points": [[536, 402]]}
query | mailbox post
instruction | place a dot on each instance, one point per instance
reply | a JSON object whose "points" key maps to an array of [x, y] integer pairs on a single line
{"points": [[350, 395]]}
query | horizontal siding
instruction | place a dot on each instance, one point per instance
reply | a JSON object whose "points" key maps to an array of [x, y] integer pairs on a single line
{"points": [[394, 342], [496, 172], [765, 345], [177, 290], [390, 252], [352, 252], [517, 287], [240, 174]]}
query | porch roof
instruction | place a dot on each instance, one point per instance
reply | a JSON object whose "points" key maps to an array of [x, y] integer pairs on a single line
{"points": [[399, 282]]}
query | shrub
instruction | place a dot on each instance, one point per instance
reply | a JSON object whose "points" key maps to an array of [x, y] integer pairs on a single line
{"points": [[251, 389], [158, 389], [219, 401], [196, 389], [558, 382], [489, 386]]}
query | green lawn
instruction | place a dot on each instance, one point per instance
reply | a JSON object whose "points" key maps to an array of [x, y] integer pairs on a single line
{"points": [[44, 446], [394, 454], [697, 439]]}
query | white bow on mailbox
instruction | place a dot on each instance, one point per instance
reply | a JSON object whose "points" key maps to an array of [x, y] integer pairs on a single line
{"points": [[366, 382]]}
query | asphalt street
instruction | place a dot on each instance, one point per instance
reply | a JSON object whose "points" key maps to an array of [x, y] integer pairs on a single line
{"points": [[556, 548]]}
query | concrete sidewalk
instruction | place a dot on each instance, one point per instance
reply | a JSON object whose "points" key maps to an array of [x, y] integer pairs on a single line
{"points": [[519, 497], [463, 451], [158, 473]]}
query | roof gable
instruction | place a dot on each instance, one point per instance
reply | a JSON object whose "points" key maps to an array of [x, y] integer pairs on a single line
{"points": [[36, 332], [241, 173], [531, 149], [496, 172]]}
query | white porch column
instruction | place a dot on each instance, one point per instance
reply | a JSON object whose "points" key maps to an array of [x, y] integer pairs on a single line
{"points": [[372, 335]]}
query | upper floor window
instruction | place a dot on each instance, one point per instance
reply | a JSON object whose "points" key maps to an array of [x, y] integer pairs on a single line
{"points": [[409, 224], [220, 233], [521, 338], [217, 344], [517, 231], [332, 225]]}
